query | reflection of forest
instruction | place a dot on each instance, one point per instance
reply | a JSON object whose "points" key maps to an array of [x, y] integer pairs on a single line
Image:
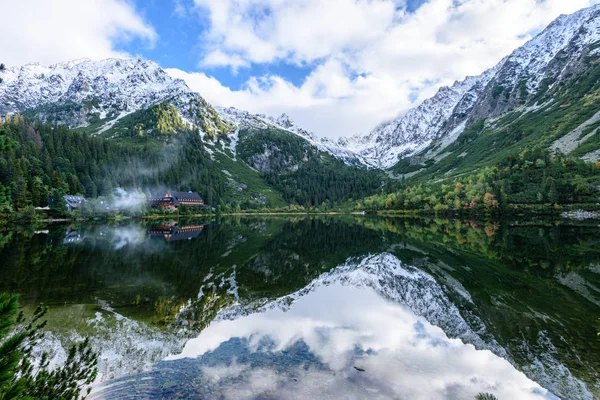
{"points": [[273, 256], [546, 246], [530, 284], [536, 287]]}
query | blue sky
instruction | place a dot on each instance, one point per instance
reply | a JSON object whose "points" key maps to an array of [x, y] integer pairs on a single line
{"points": [[179, 46], [338, 67]]}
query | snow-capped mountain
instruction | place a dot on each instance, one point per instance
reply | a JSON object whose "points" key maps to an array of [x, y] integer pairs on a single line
{"points": [[284, 122], [420, 126], [125, 84], [556, 53], [83, 92], [98, 94]]}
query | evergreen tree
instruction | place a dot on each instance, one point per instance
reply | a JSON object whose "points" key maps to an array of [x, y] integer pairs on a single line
{"points": [[20, 377], [11, 349], [5, 142]]}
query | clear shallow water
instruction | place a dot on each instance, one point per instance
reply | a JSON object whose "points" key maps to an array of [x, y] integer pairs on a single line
{"points": [[295, 308]]}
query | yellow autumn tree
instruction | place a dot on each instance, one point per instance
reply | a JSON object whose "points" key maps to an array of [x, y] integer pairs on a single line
{"points": [[489, 200]]}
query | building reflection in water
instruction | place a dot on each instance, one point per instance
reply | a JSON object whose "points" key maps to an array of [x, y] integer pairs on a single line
{"points": [[172, 232], [72, 236]]}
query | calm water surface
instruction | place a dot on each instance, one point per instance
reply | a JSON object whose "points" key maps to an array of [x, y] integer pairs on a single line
{"points": [[320, 307]]}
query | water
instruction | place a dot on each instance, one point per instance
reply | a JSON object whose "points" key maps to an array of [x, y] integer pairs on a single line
{"points": [[320, 307]]}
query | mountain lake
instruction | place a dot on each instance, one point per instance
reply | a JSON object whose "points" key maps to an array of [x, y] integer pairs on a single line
{"points": [[321, 307]]}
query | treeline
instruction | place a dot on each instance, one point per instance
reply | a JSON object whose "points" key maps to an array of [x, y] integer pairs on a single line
{"points": [[45, 162], [533, 177]]}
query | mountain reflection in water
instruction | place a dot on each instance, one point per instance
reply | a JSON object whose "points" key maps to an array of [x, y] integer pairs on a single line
{"points": [[357, 346], [475, 288]]}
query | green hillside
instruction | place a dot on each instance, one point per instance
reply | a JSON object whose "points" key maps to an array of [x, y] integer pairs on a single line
{"points": [[544, 152], [154, 149]]}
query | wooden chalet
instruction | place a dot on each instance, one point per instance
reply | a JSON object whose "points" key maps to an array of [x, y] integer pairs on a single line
{"points": [[172, 200]]}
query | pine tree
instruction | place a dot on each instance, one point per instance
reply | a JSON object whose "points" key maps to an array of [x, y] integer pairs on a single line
{"points": [[5, 142], [20, 377], [552, 192], [11, 349]]}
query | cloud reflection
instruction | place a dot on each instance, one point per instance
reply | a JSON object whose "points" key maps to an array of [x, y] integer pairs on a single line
{"points": [[365, 346]]}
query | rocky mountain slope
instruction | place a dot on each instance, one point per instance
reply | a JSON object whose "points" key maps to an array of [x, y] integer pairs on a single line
{"points": [[246, 120], [108, 96], [556, 55], [98, 95], [229, 156]]}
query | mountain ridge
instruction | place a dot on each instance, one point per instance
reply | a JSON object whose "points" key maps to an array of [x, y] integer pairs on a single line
{"points": [[83, 93], [543, 97], [113, 88], [430, 127]]}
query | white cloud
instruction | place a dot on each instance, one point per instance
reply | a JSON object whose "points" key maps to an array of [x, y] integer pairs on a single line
{"points": [[54, 31], [180, 8], [304, 30], [371, 54]]}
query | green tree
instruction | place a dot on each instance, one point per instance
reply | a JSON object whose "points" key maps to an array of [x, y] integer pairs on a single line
{"points": [[5, 199], [5, 142], [20, 377], [551, 190], [39, 192], [56, 202]]}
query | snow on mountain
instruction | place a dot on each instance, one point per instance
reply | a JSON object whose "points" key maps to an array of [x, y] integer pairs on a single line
{"points": [[284, 122], [438, 121], [114, 88], [529, 61], [416, 130], [123, 84], [110, 89], [97, 94]]}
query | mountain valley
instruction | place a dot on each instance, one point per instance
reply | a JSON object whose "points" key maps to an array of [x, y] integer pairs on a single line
{"points": [[541, 98]]}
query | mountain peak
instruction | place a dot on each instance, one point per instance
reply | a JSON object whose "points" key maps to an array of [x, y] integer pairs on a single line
{"points": [[71, 63], [123, 84], [439, 120], [285, 121]]}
